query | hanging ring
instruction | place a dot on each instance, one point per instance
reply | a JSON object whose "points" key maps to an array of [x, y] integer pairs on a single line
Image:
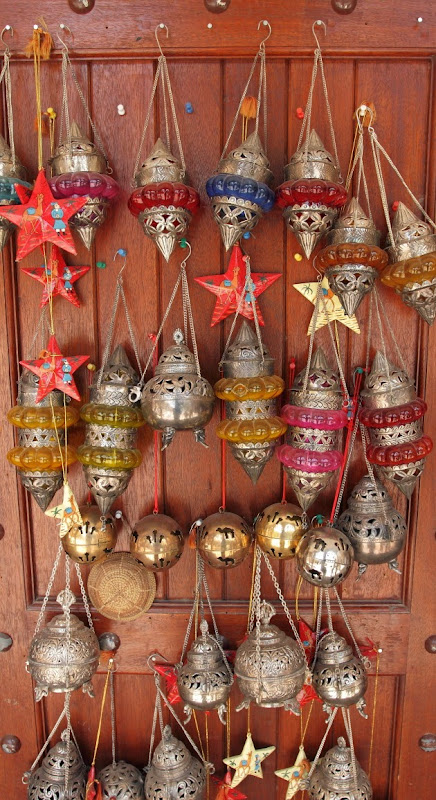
{"points": [[264, 22], [64, 27], [161, 26], [8, 29], [323, 25]]}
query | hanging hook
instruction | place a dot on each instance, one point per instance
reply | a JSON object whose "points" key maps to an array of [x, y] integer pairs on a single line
{"points": [[265, 22], [183, 264], [153, 658], [161, 26], [64, 27], [9, 29], [323, 25]]}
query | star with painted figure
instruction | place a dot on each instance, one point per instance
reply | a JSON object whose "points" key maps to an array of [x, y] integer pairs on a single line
{"points": [[55, 371], [329, 307], [67, 512], [295, 774], [249, 762], [57, 278]]}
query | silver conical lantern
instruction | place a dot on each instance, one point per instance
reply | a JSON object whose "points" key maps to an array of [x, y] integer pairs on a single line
{"points": [[174, 773], [121, 781], [48, 781], [339, 677], [11, 172], [250, 389], [374, 527], [109, 454], [333, 777], [205, 680]]}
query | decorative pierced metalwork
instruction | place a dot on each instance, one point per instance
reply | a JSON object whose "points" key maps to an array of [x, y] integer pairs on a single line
{"points": [[324, 556], [165, 225], [333, 777], [121, 781], [205, 680], [224, 539], [94, 538], [48, 781], [157, 541], [309, 222], [174, 773], [278, 529], [339, 678]]}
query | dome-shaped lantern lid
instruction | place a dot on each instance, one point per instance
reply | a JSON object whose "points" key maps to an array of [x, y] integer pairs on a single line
{"points": [[322, 380], [77, 154], [171, 757], [243, 358], [337, 771], [333, 649], [57, 628], [353, 225], [117, 379], [7, 168], [387, 385], [312, 161], [176, 359], [53, 765], [367, 498], [248, 160], [28, 387], [412, 236], [160, 166], [204, 649]]}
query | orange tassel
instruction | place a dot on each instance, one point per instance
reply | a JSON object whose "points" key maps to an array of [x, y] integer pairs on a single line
{"points": [[249, 107], [45, 125], [41, 43]]}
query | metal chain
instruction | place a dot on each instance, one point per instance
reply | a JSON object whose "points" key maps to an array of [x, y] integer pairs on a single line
{"points": [[174, 115], [159, 333], [65, 111], [207, 765], [368, 337], [365, 442], [312, 334], [84, 597], [6, 72], [381, 184], [329, 609], [47, 741], [187, 311], [318, 627], [379, 300], [67, 612], [284, 604], [235, 319], [85, 106], [153, 733], [361, 175], [49, 588], [259, 55], [257, 608], [248, 289], [346, 468], [147, 118], [335, 350], [382, 337], [215, 638], [364, 660], [113, 718], [323, 740], [347, 724], [130, 327], [192, 613]]}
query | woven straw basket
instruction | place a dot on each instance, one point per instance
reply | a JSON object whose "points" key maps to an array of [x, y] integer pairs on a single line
{"points": [[121, 588]]}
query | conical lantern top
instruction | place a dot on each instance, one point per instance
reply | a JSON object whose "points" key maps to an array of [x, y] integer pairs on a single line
{"points": [[387, 385], [365, 492], [321, 377], [76, 153], [245, 358], [119, 369], [159, 166], [116, 382], [336, 774], [312, 160], [53, 764], [176, 359], [333, 649], [353, 225], [7, 167], [171, 753], [412, 237], [249, 160]]}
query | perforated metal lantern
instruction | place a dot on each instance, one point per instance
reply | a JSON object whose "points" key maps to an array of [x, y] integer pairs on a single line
{"points": [[352, 259], [121, 781], [324, 556], [205, 681], [282, 666], [333, 777], [177, 398], [250, 390], [239, 191], [278, 529], [339, 677], [48, 781], [224, 539], [311, 194], [174, 774], [412, 268], [61, 661], [37, 456], [79, 169], [157, 541], [108, 453], [11, 173], [394, 415], [374, 527]]}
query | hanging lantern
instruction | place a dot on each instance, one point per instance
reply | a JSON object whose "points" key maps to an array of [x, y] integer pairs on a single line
{"points": [[352, 259], [93, 538], [79, 169], [250, 390], [334, 777], [61, 660], [324, 556], [41, 436], [120, 588], [224, 539], [394, 416], [374, 527], [339, 678], [174, 773], [278, 529], [412, 268], [282, 670], [157, 541], [205, 681], [10, 174], [121, 781], [315, 418], [108, 454], [48, 781], [177, 398], [311, 195], [240, 190], [162, 201]]}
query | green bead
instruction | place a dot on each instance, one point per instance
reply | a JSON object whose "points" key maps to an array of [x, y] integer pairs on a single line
{"points": [[183, 243], [101, 264]]}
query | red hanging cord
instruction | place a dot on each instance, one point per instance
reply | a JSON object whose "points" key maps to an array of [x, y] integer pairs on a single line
{"points": [[352, 411], [291, 375], [223, 462], [153, 337]]}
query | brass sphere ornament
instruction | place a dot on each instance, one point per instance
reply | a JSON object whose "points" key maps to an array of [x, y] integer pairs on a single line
{"points": [[61, 660], [224, 539], [205, 681], [174, 773], [374, 527], [279, 676], [324, 556], [121, 781], [339, 677], [333, 776], [94, 538], [48, 781], [120, 588], [278, 529], [157, 541]]}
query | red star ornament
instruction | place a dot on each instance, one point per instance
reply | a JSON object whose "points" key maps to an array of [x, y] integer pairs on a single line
{"points": [[55, 371], [308, 638], [306, 695], [57, 278], [231, 286], [169, 673], [41, 218], [225, 791]]}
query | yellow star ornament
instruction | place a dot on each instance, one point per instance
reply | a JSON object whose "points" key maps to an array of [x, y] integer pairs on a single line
{"points": [[295, 774], [249, 762], [66, 512], [329, 307]]}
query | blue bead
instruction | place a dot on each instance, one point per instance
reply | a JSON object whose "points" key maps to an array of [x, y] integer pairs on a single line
{"points": [[122, 252], [188, 108], [246, 235]]}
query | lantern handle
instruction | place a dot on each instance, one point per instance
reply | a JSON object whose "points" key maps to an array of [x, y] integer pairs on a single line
{"points": [[319, 22], [9, 29], [161, 26], [264, 22]]}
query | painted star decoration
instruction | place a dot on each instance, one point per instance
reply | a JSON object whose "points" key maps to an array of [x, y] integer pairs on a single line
{"points": [[225, 791], [41, 218], [55, 371], [66, 512], [168, 671], [295, 774], [333, 310], [249, 762], [57, 278], [231, 286]]}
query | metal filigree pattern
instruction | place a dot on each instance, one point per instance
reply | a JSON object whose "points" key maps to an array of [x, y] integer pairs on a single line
{"points": [[333, 777], [253, 456], [312, 438], [404, 476], [351, 282], [174, 773], [205, 680], [121, 781], [107, 485], [421, 297], [48, 781], [312, 160], [108, 436], [165, 225], [251, 409], [235, 217], [245, 357], [43, 485], [339, 678], [248, 159], [307, 485], [386, 385], [309, 222], [395, 434]]}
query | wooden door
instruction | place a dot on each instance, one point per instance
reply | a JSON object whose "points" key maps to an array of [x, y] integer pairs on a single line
{"points": [[380, 53]]}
